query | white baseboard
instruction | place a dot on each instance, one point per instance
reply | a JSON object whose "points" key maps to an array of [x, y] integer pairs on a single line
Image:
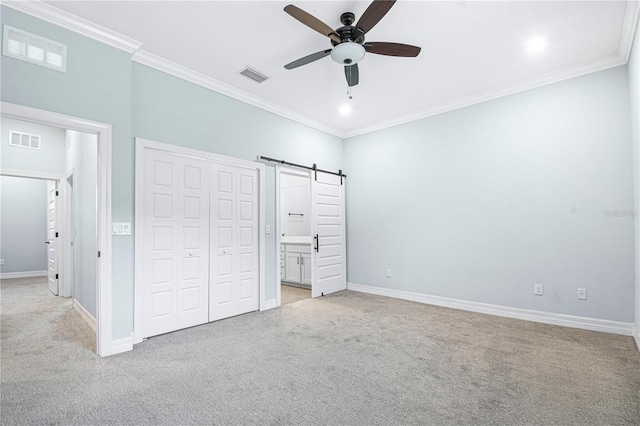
{"points": [[636, 336], [27, 274], [586, 323], [86, 316], [122, 345], [269, 304]]}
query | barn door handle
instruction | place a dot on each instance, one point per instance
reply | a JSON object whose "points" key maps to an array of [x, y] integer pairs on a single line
{"points": [[317, 243]]}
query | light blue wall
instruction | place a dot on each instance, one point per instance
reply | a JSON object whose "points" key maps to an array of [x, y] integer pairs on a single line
{"points": [[168, 109], [96, 86], [476, 204], [48, 159], [634, 89], [481, 203], [23, 224], [102, 84], [82, 160]]}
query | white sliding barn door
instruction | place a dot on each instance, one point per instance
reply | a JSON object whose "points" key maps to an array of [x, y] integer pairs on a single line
{"points": [[235, 255], [176, 242], [52, 249], [329, 266]]}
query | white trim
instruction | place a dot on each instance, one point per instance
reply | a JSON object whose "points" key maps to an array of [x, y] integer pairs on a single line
{"points": [[550, 78], [30, 175], [122, 345], [269, 304], [262, 235], [87, 28], [278, 231], [585, 323], [628, 29], [290, 171], [636, 336], [137, 242], [103, 293], [26, 274], [86, 316], [66, 289], [141, 145], [74, 23], [177, 70]]}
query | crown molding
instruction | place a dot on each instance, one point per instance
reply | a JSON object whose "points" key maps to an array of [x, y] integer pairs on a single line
{"points": [[177, 70], [74, 23], [549, 78], [628, 29], [89, 29]]}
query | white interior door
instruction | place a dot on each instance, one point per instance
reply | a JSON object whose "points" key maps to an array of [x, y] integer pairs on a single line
{"points": [[235, 255], [52, 254], [176, 242], [329, 267]]}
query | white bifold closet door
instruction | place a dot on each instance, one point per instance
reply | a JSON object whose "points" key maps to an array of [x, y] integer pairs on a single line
{"points": [[329, 265], [235, 279], [176, 242]]}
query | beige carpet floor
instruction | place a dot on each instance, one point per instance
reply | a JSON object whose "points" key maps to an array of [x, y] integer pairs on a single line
{"points": [[291, 294], [343, 359]]}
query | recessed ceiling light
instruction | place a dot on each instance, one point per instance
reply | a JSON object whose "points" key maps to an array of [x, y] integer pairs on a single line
{"points": [[536, 44], [344, 109]]}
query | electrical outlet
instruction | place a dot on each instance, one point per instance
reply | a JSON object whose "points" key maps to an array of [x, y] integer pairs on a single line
{"points": [[582, 294], [538, 289], [388, 273], [121, 228], [1, 262]]}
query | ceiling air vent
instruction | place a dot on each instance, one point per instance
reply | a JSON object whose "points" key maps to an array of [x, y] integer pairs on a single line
{"points": [[29, 47], [254, 75]]}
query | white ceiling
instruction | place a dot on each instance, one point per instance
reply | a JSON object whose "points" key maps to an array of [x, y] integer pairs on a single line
{"points": [[471, 51]]}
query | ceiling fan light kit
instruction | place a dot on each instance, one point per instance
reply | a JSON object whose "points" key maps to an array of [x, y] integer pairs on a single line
{"points": [[348, 43], [348, 53]]}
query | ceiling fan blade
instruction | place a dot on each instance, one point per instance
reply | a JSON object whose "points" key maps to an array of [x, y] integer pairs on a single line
{"points": [[308, 59], [392, 49], [312, 22], [374, 14], [352, 74]]}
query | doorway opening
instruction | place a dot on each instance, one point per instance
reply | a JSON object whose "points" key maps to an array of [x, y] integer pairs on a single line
{"points": [[74, 156], [295, 236], [312, 254]]}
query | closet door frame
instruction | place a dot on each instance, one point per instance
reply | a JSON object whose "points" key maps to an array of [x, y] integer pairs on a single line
{"points": [[146, 144]]}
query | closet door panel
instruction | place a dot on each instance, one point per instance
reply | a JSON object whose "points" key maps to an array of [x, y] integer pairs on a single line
{"points": [[175, 241], [234, 282]]}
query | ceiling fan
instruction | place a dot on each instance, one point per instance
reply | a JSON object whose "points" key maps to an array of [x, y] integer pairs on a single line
{"points": [[348, 42]]}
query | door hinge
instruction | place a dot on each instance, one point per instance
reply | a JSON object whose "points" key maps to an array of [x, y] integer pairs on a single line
{"points": [[56, 235], [56, 276], [57, 193], [98, 253]]}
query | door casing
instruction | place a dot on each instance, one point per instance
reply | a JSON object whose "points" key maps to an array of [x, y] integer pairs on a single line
{"points": [[105, 343]]}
